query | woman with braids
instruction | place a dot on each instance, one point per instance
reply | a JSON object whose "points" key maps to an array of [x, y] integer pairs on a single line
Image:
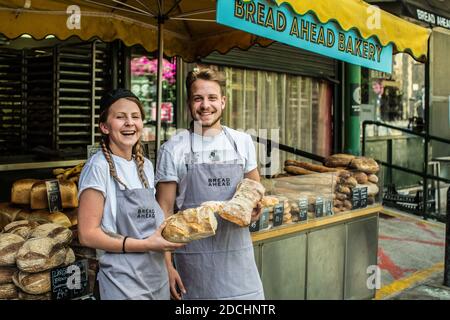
{"points": [[118, 213]]}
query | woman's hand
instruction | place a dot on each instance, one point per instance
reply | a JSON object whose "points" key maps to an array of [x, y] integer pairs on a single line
{"points": [[256, 213], [156, 242], [176, 285]]}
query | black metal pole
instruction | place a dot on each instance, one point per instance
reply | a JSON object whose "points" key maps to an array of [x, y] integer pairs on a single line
{"points": [[427, 132], [447, 244], [389, 160]]}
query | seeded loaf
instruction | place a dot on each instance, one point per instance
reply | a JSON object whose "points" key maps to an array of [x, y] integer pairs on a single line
{"points": [[22, 228], [338, 160]]}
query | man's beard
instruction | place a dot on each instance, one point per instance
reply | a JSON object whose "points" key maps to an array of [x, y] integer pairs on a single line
{"points": [[204, 125]]}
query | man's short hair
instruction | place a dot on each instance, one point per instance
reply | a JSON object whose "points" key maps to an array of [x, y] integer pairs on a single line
{"points": [[207, 74]]}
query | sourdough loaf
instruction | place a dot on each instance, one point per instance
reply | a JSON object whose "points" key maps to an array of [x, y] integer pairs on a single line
{"points": [[53, 230], [8, 214], [6, 274], [9, 246], [8, 291], [70, 257], [27, 296], [33, 283], [68, 189], [190, 224], [239, 209], [40, 254], [22, 228], [20, 191]]}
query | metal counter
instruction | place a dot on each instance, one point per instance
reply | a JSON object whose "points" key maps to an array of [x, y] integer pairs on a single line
{"points": [[325, 258]]}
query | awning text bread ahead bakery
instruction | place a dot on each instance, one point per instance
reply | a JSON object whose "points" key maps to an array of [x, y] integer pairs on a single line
{"points": [[264, 18]]}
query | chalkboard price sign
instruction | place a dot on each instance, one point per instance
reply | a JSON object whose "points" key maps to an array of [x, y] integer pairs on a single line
{"points": [[278, 212], [53, 195], [264, 219], [303, 209], [318, 208], [71, 281]]}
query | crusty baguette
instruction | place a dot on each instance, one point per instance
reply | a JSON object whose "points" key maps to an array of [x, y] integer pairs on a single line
{"points": [[309, 166], [297, 170]]}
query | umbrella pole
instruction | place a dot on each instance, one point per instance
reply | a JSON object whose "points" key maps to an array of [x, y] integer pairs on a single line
{"points": [[159, 87]]}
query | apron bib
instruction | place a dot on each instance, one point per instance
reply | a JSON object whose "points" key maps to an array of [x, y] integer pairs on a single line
{"points": [[139, 275], [222, 266]]}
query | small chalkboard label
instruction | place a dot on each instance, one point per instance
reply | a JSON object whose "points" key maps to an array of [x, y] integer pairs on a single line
{"points": [[278, 211], [356, 198], [328, 207], [71, 281], [363, 197], [254, 226], [53, 195], [318, 208], [264, 219], [302, 209]]}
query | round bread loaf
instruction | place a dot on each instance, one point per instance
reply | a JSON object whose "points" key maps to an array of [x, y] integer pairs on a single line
{"points": [[364, 164], [9, 246], [33, 283], [40, 254], [8, 291], [22, 228], [53, 230], [6, 274], [361, 177]]}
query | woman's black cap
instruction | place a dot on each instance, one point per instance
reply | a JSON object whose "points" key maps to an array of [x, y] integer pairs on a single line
{"points": [[112, 96]]}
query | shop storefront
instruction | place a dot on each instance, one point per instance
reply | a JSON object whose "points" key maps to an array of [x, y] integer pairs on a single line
{"points": [[322, 237]]}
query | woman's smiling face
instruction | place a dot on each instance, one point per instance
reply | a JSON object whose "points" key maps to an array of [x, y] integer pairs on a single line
{"points": [[123, 125]]}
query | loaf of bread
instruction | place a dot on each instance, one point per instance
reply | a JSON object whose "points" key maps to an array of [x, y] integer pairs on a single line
{"points": [[22, 228], [53, 230], [216, 206], [73, 216], [8, 291], [70, 257], [68, 189], [364, 164], [190, 224], [40, 254], [45, 216], [9, 246], [297, 170], [309, 166], [8, 214], [6, 274], [338, 160], [373, 178], [269, 201], [24, 214], [33, 283], [239, 209], [361, 177], [20, 191]]}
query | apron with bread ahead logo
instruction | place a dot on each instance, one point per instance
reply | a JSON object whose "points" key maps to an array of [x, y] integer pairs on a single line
{"points": [[222, 266], [137, 275]]}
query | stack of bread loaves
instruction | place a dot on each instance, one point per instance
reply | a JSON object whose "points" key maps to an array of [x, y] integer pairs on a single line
{"points": [[29, 202], [198, 223], [27, 253]]}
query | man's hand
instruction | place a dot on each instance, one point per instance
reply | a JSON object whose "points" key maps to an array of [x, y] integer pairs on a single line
{"points": [[175, 284]]}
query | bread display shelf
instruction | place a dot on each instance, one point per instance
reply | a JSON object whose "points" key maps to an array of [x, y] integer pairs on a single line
{"points": [[312, 224]]}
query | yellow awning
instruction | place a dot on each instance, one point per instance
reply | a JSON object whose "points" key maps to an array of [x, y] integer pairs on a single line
{"points": [[190, 30]]}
